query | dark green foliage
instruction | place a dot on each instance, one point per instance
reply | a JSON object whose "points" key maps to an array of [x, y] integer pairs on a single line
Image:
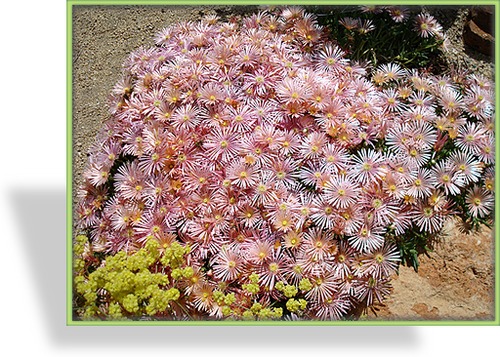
{"points": [[388, 42]]}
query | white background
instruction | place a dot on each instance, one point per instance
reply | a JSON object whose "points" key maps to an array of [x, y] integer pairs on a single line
{"points": [[33, 241]]}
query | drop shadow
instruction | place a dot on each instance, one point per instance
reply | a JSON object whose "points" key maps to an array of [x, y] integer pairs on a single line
{"points": [[44, 243]]}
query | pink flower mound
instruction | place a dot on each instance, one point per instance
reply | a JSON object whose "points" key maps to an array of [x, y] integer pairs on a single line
{"points": [[266, 151]]}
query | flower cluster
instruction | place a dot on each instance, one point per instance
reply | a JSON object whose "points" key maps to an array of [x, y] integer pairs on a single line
{"points": [[277, 167]]}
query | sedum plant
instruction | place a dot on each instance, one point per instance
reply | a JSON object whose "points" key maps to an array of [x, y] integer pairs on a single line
{"points": [[249, 170]]}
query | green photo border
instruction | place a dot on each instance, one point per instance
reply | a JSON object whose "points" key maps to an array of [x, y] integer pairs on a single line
{"points": [[69, 167]]}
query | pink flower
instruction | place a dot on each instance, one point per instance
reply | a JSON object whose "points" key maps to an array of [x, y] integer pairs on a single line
{"points": [[479, 201], [242, 175], [331, 58], [367, 238], [367, 166], [341, 192], [450, 180], [426, 25], [228, 264]]}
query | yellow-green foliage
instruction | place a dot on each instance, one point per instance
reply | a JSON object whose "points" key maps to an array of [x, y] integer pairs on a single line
{"points": [[293, 305], [258, 312], [125, 284], [146, 282]]}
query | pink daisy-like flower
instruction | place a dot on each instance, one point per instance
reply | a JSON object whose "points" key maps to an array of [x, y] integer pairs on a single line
{"points": [[367, 167], [197, 178], [392, 71], [317, 245], [324, 287], [350, 220], [394, 186], [421, 98], [242, 118], [268, 136], [451, 100], [331, 58], [349, 23], [211, 94], [186, 117], [489, 179], [97, 174], [250, 216], [222, 145], [479, 202], [314, 176], [294, 271], [304, 209], [289, 144], [284, 221], [242, 175], [291, 90], [202, 297], [157, 189], [264, 191], [398, 13], [259, 251], [134, 141], [334, 308], [291, 13], [129, 181], [273, 270], [323, 214], [470, 136], [368, 238], [416, 156], [365, 26], [370, 289], [227, 264], [427, 219], [448, 179], [344, 259], [341, 191], [486, 150], [383, 262], [334, 158], [126, 216], [259, 82], [284, 172], [382, 207], [420, 186], [422, 134], [390, 100], [425, 25], [293, 239], [313, 144]]}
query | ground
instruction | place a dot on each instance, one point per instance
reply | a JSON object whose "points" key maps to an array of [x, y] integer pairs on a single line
{"points": [[454, 282]]}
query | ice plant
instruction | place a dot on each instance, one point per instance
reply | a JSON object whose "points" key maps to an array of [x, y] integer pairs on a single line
{"points": [[252, 171]]}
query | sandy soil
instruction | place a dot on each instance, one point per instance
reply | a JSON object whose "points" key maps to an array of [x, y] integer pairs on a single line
{"points": [[454, 282]]}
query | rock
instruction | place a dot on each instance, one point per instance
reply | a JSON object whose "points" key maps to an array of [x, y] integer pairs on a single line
{"points": [[477, 39], [483, 17]]}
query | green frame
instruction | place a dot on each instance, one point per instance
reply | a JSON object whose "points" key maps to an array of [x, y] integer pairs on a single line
{"points": [[69, 166]]}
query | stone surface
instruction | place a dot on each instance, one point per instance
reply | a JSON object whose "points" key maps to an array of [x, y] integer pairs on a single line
{"points": [[484, 18], [478, 39]]}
